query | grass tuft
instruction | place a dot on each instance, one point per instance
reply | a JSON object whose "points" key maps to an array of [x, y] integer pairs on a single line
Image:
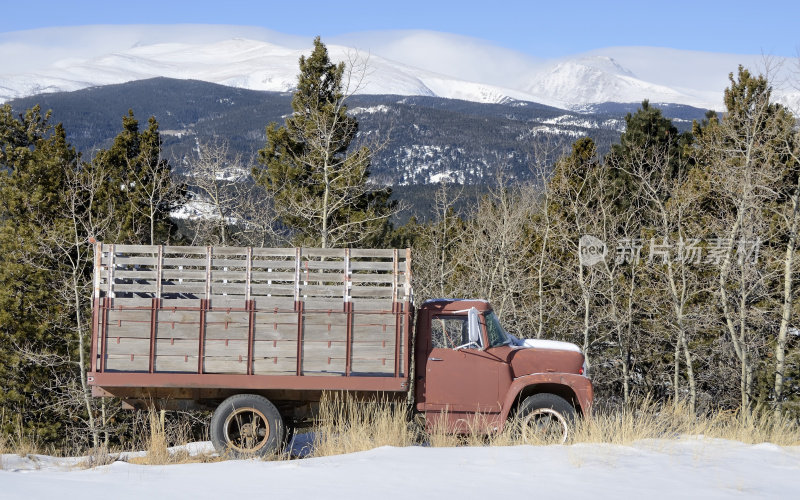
{"points": [[346, 425]]}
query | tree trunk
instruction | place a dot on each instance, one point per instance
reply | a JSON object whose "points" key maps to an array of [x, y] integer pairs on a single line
{"points": [[786, 309]]}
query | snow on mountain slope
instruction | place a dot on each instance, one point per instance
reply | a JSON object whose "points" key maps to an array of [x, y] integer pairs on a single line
{"points": [[596, 79], [411, 62], [242, 63]]}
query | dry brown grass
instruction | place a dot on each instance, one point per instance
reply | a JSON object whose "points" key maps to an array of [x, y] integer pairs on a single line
{"points": [[20, 443], [347, 425], [159, 434], [649, 420]]}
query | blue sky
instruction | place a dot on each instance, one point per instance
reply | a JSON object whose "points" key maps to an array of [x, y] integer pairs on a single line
{"points": [[550, 28]]}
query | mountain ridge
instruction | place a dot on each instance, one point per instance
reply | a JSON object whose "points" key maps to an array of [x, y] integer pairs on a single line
{"points": [[414, 62]]}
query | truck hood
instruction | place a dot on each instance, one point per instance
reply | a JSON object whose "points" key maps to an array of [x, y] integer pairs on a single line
{"points": [[545, 356], [548, 344]]}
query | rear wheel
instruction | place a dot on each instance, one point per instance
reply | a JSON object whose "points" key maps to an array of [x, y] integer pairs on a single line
{"points": [[545, 418], [246, 425]]}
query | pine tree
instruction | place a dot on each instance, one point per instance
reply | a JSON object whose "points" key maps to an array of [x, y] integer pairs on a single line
{"points": [[321, 188], [139, 187], [34, 160]]}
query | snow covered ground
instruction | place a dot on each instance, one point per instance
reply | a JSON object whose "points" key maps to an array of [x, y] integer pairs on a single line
{"points": [[692, 467]]}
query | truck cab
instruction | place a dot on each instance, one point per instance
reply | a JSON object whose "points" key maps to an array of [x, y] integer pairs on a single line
{"points": [[472, 374]]}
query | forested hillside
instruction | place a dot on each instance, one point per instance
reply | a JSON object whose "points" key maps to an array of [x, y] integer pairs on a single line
{"points": [[424, 139]]}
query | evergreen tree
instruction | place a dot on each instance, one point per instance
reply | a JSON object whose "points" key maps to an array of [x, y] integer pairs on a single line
{"points": [[34, 160], [321, 188], [139, 188]]}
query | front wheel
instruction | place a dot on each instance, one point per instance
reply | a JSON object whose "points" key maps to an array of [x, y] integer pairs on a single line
{"points": [[545, 418], [246, 425]]}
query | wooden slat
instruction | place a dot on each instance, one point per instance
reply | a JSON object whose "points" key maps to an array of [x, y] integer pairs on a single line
{"points": [[321, 332], [144, 274], [216, 348], [128, 329], [124, 363], [260, 289], [120, 302], [275, 366], [131, 248], [283, 333], [236, 251], [185, 287], [176, 364], [225, 365], [122, 346], [228, 262], [371, 278], [371, 291], [180, 304], [274, 252], [321, 290], [312, 303], [223, 288], [336, 319], [371, 252], [264, 303], [115, 315], [269, 317], [286, 265], [287, 276], [188, 331], [275, 348], [371, 266], [372, 305], [336, 265], [322, 252], [170, 249], [184, 274], [127, 260], [199, 262]]}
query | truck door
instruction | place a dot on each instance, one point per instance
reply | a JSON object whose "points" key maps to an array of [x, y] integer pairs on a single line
{"points": [[459, 376]]}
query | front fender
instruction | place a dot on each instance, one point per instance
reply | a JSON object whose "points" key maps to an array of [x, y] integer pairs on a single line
{"points": [[578, 385]]}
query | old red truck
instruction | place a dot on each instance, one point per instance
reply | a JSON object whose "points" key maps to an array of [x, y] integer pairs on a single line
{"points": [[257, 334]]}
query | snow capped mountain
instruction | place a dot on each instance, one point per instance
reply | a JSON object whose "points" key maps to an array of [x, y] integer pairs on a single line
{"points": [[397, 62], [594, 79], [244, 63]]}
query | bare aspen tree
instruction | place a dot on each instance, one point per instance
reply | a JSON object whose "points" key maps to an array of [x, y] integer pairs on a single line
{"points": [[659, 186], [156, 192], [437, 242], [71, 243], [542, 158], [216, 180], [742, 166], [789, 215], [495, 252], [576, 188]]}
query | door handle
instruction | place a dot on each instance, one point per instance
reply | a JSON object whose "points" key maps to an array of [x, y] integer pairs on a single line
{"points": [[435, 359]]}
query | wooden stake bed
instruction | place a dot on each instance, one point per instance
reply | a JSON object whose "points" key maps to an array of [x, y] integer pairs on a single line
{"points": [[225, 317]]}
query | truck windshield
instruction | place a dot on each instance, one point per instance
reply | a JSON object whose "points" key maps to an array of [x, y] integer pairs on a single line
{"points": [[497, 335]]}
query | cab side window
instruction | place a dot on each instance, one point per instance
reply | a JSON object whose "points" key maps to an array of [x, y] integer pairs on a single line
{"points": [[448, 332]]}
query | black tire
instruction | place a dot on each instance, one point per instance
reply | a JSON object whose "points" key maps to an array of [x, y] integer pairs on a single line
{"points": [[246, 425], [545, 418]]}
